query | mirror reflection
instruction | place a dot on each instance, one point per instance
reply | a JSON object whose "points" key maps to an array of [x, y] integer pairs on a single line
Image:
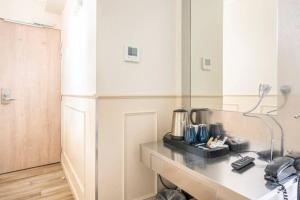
{"points": [[233, 51]]}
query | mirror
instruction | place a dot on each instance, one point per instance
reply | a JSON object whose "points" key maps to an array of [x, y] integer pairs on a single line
{"points": [[233, 51]]}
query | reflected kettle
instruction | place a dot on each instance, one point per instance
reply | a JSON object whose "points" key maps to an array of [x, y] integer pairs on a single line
{"points": [[200, 116], [179, 122]]}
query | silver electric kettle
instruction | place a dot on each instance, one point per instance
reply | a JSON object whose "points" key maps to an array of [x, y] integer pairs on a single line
{"points": [[179, 122]]}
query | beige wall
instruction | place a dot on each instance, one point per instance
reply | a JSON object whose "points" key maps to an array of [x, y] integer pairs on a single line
{"points": [[288, 73], [250, 53], [240, 37], [30, 11], [242, 103], [149, 25], [78, 101], [124, 123], [250, 46], [79, 48], [185, 47], [289, 70], [207, 42], [135, 100], [207, 101], [78, 145], [236, 103]]}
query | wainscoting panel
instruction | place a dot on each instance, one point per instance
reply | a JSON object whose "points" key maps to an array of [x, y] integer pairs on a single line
{"points": [[237, 103], [213, 102], [78, 145], [74, 145], [125, 123], [231, 107], [138, 128], [246, 102]]}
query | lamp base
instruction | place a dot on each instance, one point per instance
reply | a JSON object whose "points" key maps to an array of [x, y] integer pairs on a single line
{"points": [[266, 154]]}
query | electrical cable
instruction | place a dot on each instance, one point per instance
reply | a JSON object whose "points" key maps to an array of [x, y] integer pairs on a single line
{"points": [[165, 185], [284, 191], [281, 188], [238, 154], [249, 152]]}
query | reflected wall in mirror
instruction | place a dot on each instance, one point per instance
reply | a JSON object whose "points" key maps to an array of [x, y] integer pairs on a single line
{"points": [[233, 50]]}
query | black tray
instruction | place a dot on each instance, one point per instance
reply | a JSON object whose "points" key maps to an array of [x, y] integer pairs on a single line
{"points": [[202, 151], [237, 146]]}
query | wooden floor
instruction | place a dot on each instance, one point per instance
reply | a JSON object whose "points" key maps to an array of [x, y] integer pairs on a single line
{"points": [[47, 183]]}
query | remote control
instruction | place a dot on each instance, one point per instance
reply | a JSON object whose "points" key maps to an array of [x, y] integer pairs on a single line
{"points": [[243, 162]]}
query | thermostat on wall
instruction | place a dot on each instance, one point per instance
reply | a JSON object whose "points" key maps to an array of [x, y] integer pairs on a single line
{"points": [[206, 64], [132, 54]]}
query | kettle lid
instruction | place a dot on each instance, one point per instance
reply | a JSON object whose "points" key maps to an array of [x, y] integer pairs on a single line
{"points": [[201, 109], [180, 110]]}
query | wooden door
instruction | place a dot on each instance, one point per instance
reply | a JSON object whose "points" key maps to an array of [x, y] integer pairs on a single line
{"points": [[30, 69]]}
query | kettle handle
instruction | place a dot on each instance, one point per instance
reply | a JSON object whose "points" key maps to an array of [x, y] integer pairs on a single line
{"points": [[191, 116]]}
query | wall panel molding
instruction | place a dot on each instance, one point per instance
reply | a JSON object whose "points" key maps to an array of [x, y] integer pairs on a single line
{"points": [[79, 96], [73, 175], [231, 107], [129, 121], [152, 135], [117, 96], [231, 95], [76, 186], [78, 145], [154, 96]]}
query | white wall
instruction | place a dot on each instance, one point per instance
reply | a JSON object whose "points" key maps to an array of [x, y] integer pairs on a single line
{"points": [[250, 53], [149, 25], [79, 48], [207, 42], [30, 11], [241, 39], [79, 102], [289, 70], [135, 100], [288, 73], [250, 46]]}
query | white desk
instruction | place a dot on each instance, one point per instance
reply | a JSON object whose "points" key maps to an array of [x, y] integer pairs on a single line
{"points": [[211, 179]]}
